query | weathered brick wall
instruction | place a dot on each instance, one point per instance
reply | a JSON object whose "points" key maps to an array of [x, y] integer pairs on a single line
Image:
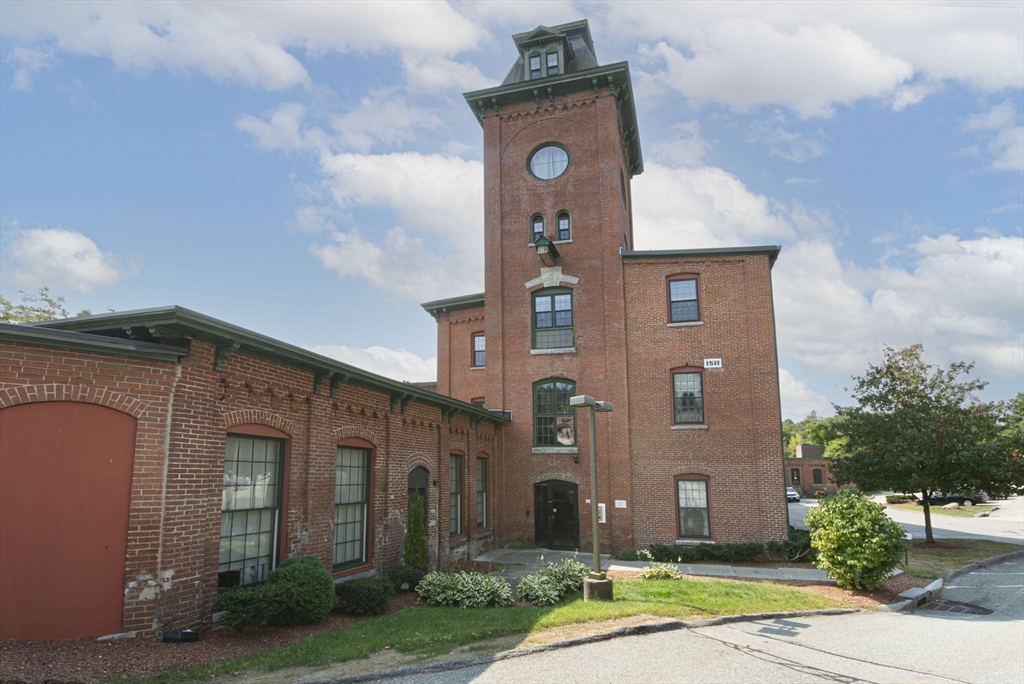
{"points": [[740, 450], [171, 571], [806, 466], [139, 387], [590, 191], [462, 380]]}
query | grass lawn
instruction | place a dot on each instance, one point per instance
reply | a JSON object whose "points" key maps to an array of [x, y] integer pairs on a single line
{"points": [[968, 512], [432, 631], [931, 561]]}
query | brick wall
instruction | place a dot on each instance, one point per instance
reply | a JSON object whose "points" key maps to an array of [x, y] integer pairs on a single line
{"points": [[806, 467], [184, 413]]}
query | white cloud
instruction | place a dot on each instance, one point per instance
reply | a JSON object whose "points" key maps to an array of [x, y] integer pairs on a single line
{"points": [[397, 364], [282, 129], [787, 145], [810, 57], [63, 259], [702, 207], [810, 69], [28, 61], [251, 43], [312, 219], [382, 117], [1007, 143], [433, 72], [686, 146], [798, 399]]}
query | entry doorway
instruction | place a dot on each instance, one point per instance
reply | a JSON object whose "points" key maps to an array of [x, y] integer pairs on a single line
{"points": [[556, 515]]}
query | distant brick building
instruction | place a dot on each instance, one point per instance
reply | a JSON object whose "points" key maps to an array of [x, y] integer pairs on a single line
{"points": [[682, 342], [809, 471]]}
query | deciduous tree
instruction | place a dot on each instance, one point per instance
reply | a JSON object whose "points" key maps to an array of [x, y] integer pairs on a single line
{"points": [[919, 428]]}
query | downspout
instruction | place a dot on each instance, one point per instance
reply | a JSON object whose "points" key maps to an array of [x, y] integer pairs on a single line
{"points": [[163, 496]]}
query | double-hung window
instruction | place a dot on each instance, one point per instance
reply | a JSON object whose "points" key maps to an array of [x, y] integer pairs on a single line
{"points": [[552, 319], [250, 509], [554, 420], [688, 398], [682, 300], [536, 228], [481, 493], [534, 67], [816, 474], [455, 512], [351, 506], [694, 517], [564, 233], [479, 350], [552, 63]]}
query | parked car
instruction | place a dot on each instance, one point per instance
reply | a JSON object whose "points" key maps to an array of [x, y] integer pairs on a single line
{"points": [[792, 495], [963, 499]]}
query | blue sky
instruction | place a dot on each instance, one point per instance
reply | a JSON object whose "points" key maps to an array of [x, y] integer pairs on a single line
{"points": [[311, 171]]}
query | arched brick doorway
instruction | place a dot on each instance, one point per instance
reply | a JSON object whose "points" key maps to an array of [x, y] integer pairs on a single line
{"points": [[65, 491]]}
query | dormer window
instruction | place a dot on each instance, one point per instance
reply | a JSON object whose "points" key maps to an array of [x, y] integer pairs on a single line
{"points": [[535, 67], [552, 64]]}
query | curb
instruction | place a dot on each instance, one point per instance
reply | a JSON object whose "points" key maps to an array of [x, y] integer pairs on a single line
{"points": [[934, 590], [633, 630]]}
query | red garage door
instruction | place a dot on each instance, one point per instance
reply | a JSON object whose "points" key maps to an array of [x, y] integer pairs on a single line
{"points": [[65, 487]]}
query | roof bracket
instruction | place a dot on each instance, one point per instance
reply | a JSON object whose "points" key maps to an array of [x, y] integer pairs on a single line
{"points": [[337, 380], [401, 400], [448, 412], [483, 110], [611, 87], [221, 354], [597, 88], [494, 101], [319, 378], [474, 421], [128, 331], [551, 96], [536, 98]]}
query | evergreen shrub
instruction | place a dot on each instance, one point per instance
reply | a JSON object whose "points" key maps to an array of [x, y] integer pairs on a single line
{"points": [[416, 544], [298, 591], [366, 596]]}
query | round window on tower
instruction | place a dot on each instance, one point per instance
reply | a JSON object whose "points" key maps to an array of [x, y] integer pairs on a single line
{"points": [[550, 161]]}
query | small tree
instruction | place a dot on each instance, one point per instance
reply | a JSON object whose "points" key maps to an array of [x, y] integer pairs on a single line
{"points": [[41, 306], [856, 542], [919, 428], [416, 545]]}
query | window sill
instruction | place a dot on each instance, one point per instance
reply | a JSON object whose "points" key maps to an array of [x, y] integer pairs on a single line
{"points": [[556, 450], [685, 324], [694, 541], [689, 427], [457, 542], [484, 534], [365, 570], [477, 367], [562, 242], [553, 350]]}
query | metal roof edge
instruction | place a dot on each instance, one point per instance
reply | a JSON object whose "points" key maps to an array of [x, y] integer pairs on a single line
{"points": [[453, 303], [771, 250], [199, 326], [79, 341]]}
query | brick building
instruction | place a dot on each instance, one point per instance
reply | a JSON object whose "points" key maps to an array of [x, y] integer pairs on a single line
{"points": [[682, 342], [149, 458], [809, 471]]}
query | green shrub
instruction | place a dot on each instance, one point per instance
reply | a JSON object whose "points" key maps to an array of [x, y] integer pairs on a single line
{"points": [[464, 590], [554, 583], [899, 498], [725, 553], [298, 591], [417, 555], [797, 548], [367, 596], [402, 575], [856, 543], [657, 571]]}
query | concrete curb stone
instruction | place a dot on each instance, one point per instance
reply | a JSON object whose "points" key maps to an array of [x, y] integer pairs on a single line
{"points": [[934, 590], [632, 630]]}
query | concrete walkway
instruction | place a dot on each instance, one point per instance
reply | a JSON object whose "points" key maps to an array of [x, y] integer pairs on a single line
{"points": [[520, 562]]}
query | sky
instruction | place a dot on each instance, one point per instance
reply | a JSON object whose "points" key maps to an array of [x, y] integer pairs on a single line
{"points": [[310, 170]]}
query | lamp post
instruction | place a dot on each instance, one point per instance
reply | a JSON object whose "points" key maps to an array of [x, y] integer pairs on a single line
{"points": [[597, 587]]}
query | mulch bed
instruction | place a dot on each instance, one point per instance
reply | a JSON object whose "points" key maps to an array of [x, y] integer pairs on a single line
{"points": [[87, 661]]}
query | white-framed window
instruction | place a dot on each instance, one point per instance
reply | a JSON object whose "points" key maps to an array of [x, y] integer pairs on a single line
{"points": [[694, 512], [688, 398]]}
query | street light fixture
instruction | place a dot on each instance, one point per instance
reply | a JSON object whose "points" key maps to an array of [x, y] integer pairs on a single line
{"points": [[597, 586]]}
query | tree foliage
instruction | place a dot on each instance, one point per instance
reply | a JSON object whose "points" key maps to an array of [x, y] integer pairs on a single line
{"points": [[919, 428], [416, 544], [41, 306], [814, 430]]}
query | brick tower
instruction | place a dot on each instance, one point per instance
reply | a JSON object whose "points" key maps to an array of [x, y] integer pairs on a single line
{"points": [[560, 149]]}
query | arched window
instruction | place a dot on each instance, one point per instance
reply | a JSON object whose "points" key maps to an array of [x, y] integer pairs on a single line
{"points": [[552, 319], [554, 420], [564, 232], [536, 227]]}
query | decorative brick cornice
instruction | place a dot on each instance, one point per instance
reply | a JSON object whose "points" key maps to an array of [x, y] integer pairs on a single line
{"points": [[356, 431], [551, 474], [86, 394], [258, 417]]}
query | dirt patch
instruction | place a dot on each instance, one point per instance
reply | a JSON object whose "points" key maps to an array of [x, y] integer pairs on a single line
{"points": [[88, 661]]}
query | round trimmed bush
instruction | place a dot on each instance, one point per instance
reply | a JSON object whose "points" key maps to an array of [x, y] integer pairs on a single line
{"points": [[856, 543], [367, 596], [298, 591]]}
